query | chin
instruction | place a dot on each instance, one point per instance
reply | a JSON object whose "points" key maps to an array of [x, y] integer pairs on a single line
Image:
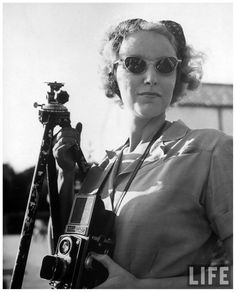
{"points": [[149, 112], [149, 115]]}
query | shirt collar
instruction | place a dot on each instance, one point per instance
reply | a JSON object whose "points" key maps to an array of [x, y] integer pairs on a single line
{"points": [[176, 131], [111, 154], [114, 153]]}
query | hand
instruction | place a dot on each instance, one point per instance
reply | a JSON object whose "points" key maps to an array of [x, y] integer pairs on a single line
{"points": [[65, 139], [118, 277]]}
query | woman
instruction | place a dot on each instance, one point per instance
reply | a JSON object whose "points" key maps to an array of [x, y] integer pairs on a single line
{"points": [[177, 202]]}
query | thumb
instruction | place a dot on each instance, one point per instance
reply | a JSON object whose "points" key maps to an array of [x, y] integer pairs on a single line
{"points": [[79, 128]]}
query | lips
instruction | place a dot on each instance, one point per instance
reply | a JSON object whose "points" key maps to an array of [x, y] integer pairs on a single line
{"points": [[150, 93]]}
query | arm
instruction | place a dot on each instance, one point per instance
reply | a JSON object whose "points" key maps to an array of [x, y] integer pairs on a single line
{"points": [[182, 282], [119, 278], [64, 140], [66, 194]]}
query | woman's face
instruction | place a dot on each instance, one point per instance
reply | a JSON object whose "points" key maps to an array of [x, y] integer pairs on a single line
{"points": [[146, 95]]}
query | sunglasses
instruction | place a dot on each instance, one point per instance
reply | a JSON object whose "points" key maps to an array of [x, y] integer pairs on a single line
{"points": [[138, 65]]}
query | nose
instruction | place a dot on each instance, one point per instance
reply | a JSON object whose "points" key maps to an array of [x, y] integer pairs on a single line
{"points": [[150, 76]]}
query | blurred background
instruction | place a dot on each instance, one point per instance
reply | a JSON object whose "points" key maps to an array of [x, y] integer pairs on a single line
{"points": [[60, 42]]}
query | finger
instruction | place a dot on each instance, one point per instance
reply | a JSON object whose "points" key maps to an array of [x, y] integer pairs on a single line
{"points": [[104, 259], [64, 141], [67, 134], [69, 130], [62, 131], [60, 151], [104, 285]]}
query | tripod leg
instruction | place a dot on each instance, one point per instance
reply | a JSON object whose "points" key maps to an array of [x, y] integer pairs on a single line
{"points": [[31, 209]]}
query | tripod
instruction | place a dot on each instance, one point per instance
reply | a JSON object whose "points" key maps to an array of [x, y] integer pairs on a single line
{"points": [[51, 115]]}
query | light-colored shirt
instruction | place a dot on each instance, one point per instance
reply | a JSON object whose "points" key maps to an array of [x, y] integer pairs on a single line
{"points": [[178, 204]]}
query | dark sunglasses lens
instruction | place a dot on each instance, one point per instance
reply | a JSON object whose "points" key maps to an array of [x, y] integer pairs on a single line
{"points": [[135, 65], [166, 65]]}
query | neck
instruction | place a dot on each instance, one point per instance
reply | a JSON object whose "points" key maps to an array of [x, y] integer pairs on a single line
{"points": [[142, 130]]}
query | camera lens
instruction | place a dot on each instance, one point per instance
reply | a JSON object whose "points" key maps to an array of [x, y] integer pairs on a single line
{"points": [[65, 246], [53, 268]]}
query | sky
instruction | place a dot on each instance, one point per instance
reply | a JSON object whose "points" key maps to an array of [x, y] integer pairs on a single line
{"points": [[45, 42]]}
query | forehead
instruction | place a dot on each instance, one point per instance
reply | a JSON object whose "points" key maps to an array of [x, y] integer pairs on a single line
{"points": [[149, 44]]}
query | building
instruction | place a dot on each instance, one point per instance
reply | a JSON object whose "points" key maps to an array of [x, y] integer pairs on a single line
{"points": [[210, 106]]}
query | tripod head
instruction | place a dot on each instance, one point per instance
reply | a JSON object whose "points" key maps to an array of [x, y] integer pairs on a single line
{"points": [[55, 107], [55, 85], [55, 94]]}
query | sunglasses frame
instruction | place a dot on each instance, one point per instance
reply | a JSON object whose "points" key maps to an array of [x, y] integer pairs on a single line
{"points": [[148, 62]]}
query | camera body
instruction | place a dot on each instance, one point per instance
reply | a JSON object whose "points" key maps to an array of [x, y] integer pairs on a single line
{"points": [[88, 230]]}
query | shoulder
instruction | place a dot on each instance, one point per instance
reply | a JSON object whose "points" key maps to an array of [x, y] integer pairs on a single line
{"points": [[198, 139], [210, 139]]}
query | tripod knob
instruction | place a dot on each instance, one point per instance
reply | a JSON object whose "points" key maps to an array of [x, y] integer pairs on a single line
{"points": [[37, 105], [62, 97]]}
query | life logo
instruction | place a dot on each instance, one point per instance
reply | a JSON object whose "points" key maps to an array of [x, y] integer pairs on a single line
{"points": [[214, 276]]}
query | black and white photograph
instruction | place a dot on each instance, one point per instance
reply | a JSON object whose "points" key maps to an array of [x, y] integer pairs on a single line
{"points": [[117, 135]]}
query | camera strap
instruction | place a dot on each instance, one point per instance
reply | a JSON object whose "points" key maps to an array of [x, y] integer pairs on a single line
{"points": [[138, 166]]}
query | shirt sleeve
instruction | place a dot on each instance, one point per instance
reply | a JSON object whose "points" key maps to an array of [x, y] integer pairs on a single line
{"points": [[219, 195]]}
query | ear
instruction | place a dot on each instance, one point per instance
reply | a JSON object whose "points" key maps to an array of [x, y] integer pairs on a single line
{"points": [[113, 83], [177, 86]]}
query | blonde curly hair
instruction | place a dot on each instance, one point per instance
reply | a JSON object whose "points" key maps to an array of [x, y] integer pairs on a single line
{"points": [[189, 71]]}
